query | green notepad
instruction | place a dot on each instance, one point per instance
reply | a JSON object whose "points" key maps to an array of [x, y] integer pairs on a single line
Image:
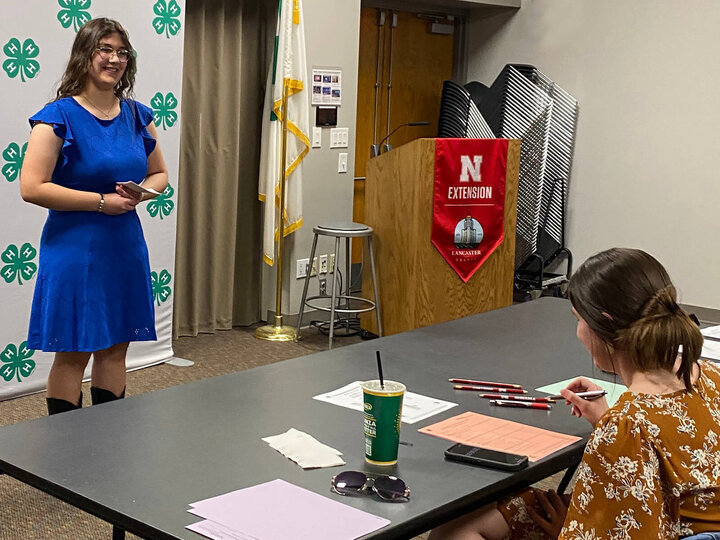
{"points": [[613, 390]]}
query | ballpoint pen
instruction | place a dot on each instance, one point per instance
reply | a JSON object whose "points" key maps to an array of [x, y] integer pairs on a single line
{"points": [[589, 395], [485, 383], [532, 399], [523, 404], [490, 389]]}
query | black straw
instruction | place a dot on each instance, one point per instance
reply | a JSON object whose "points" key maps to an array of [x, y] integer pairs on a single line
{"points": [[379, 362]]}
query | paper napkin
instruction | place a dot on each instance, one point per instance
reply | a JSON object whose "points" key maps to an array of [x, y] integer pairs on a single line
{"points": [[304, 449]]}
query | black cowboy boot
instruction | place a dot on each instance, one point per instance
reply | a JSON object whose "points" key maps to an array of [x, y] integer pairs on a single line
{"points": [[100, 395], [55, 405]]}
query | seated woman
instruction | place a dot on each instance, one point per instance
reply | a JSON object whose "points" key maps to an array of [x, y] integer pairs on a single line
{"points": [[651, 468]]}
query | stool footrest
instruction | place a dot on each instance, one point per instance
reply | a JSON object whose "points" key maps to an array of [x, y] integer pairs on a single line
{"points": [[369, 303]]}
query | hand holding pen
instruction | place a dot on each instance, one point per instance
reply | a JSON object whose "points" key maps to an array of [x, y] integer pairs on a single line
{"points": [[590, 409]]}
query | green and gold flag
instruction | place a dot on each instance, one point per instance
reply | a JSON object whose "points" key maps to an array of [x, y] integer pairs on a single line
{"points": [[288, 67]]}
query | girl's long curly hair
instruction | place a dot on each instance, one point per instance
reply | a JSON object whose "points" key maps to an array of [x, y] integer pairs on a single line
{"points": [[83, 49]]}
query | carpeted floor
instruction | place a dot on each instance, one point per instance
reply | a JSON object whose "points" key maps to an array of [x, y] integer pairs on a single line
{"points": [[26, 513]]}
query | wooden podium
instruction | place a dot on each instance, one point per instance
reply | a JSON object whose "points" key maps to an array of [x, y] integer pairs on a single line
{"points": [[416, 286]]}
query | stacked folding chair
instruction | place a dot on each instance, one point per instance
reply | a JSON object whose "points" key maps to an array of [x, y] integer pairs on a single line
{"points": [[523, 103], [459, 116], [551, 235]]}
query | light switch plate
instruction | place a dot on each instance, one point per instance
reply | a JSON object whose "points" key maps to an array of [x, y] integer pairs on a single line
{"points": [[342, 162], [316, 137], [339, 138]]}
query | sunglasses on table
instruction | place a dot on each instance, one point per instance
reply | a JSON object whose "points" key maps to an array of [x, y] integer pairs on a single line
{"points": [[388, 488]]}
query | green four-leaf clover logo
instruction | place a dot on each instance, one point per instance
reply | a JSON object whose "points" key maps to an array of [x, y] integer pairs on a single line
{"points": [[74, 13], [162, 205], [16, 361], [163, 112], [167, 17], [20, 59], [18, 263], [161, 286], [14, 156]]}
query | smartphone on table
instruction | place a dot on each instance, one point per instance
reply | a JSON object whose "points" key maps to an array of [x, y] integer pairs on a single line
{"points": [[486, 457]]}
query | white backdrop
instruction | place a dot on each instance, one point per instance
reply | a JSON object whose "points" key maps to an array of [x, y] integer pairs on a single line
{"points": [[36, 37]]}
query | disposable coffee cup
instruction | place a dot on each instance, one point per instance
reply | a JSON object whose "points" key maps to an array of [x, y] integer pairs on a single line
{"points": [[382, 407]]}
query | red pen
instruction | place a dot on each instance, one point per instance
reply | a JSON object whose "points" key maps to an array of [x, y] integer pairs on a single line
{"points": [[490, 389], [518, 398], [485, 383], [505, 403]]}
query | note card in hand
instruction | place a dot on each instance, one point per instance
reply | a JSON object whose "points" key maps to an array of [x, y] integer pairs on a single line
{"points": [[137, 188]]}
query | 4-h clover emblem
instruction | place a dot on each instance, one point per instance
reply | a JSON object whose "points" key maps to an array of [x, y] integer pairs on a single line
{"points": [[162, 205], [14, 156], [167, 17], [161, 286], [20, 59], [163, 112], [16, 361], [18, 263], [74, 13]]}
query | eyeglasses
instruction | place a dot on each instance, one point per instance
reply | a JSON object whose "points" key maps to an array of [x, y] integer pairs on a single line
{"points": [[107, 52], [388, 488]]}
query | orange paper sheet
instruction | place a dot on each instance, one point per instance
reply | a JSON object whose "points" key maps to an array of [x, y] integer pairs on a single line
{"points": [[496, 434]]}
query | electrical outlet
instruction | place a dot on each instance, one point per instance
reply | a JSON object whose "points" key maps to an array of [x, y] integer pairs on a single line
{"points": [[323, 264], [313, 270], [332, 263], [301, 270], [323, 286]]}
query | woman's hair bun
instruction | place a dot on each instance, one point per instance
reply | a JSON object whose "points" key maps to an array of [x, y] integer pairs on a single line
{"points": [[662, 304]]}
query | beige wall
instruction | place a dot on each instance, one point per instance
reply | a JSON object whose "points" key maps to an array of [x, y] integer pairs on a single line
{"points": [[332, 40], [646, 165]]}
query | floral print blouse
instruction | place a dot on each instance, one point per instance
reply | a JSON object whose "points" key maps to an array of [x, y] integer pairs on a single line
{"points": [[651, 468]]}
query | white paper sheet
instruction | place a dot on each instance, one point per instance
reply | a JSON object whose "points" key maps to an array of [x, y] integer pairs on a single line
{"points": [[217, 531], [416, 407], [711, 332], [711, 350]]}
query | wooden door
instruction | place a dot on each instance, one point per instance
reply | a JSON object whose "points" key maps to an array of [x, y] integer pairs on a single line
{"points": [[421, 61]]}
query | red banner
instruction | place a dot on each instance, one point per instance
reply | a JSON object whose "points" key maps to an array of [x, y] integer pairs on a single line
{"points": [[469, 201]]}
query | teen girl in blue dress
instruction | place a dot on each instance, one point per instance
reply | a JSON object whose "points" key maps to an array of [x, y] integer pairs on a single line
{"points": [[93, 292]]}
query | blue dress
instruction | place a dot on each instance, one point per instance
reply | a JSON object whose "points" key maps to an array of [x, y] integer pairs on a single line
{"points": [[93, 286]]}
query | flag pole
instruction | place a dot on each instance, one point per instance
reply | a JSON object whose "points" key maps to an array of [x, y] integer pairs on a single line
{"points": [[278, 331]]}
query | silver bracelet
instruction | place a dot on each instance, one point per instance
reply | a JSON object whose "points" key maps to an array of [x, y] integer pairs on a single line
{"points": [[102, 203]]}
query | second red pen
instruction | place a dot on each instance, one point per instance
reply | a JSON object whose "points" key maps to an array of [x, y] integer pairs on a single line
{"points": [[490, 389], [524, 404], [530, 399]]}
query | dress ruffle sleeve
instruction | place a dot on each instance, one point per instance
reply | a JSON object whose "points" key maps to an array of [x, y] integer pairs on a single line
{"points": [[144, 115], [53, 115]]}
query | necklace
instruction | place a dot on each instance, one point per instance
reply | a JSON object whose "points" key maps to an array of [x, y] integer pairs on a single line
{"points": [[105, 114]]}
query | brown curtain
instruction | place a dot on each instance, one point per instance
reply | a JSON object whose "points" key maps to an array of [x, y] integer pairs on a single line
{"points": [[218, 257]]}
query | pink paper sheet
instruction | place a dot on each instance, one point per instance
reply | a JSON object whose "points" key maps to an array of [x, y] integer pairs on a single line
{"points": [[278, 510], [497, 434]]}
